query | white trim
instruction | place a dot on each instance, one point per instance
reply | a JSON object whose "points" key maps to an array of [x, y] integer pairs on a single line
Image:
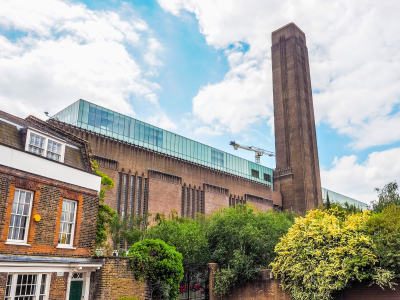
{"points": [[38, 283], [70, 245], [13, 242], [46, 141], [85, 285], [63, 246], [28, 219], [34, 164]]}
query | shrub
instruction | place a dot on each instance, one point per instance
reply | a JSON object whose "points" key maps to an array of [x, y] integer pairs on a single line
{"points": [[186, 235], [324, 252], [242, 241], [384, 229], [158, 263]]}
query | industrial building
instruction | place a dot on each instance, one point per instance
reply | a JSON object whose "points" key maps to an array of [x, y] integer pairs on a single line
{"points": [[159, 171]]}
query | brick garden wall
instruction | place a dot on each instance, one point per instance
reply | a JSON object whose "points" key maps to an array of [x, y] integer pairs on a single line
{"points": [[115, 279], [47, 202]]}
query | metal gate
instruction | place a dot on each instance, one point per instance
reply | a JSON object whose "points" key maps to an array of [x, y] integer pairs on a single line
{"points": [[194, 285]]}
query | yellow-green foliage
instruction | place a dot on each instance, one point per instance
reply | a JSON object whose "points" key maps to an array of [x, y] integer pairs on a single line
{"points": [[324, 252]]}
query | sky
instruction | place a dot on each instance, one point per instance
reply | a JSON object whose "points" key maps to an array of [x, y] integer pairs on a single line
{"points": [[202, 69]]}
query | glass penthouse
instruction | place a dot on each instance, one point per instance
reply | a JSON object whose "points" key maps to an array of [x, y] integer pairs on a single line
{"points": [[107, 122]]}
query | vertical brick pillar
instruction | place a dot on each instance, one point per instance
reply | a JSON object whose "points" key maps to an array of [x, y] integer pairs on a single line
{"points": [[212, 267]]}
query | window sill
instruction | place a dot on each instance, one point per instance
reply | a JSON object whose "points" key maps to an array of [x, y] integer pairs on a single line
{"points": [[65, 247], [16, 243]]}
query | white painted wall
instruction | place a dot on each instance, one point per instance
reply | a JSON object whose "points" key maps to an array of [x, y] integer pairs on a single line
{"points": [[23, 161]]}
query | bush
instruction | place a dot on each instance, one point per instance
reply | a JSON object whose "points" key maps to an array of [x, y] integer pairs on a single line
{"points": [[158, 263], [186, 235], [324, 252], [384, 229], [242, 241], [128, 298]]}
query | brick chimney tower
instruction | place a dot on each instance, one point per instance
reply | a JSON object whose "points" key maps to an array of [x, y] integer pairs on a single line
{"points": [[297, 175]]}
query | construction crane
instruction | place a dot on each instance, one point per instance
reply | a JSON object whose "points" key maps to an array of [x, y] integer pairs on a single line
{"points": [[259, 152]]}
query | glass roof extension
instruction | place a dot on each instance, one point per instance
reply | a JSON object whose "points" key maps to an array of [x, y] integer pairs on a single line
{"points": [[107, 122], [339, 198]]}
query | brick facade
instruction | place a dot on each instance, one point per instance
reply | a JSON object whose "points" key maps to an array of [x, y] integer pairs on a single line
{"points": [[297, 174], [122, 158], [116, 279], [47, 202], [58, 286], [3, 282]]}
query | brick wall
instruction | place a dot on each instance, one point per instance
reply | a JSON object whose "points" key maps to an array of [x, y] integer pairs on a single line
{"points": [[164, 197], [138, 160], [260, 203], [362, 290], [58, 286], [47, 202], [3, 282], [115, 279], [213, 201]]}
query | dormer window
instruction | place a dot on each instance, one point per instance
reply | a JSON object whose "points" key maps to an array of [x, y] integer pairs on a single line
{"points": [[44, 145]]}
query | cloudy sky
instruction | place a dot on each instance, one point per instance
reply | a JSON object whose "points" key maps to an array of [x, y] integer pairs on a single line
{"points": [[202, 68]]}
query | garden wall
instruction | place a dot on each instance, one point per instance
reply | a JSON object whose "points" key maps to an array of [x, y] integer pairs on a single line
{"points": [[116, 279], [266, 287]]}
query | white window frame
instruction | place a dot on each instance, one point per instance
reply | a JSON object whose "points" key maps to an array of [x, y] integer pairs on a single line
{"points": [[38, 284], [47, 138], [24, 241], [71, 244]]}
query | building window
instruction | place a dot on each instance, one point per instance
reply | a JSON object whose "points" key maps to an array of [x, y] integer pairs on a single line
{"points": [[54, 150], [27, 286], [67, 225], [20, 216], [217, 157], [45, 146], [267, 177], [36, 144], [255, 173]]}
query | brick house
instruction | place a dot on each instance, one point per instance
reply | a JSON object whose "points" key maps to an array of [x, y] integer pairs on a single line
{"points": [[48, 211]]}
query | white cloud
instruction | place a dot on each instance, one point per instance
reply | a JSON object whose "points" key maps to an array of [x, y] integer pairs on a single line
{"points": [[161, 120], [65, 52], [207, 131], [354, 52], [358, 180]]}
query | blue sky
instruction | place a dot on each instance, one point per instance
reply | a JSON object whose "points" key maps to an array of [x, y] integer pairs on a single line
{"points": [[201, 68]]}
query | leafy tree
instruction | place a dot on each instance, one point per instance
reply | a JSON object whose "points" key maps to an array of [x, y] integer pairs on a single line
{"points": [[158, 263], [105, 213], [132, 229], [242, 241], [388, 195], [384, 229], [328, 202], [325, 251], [186, 235]]}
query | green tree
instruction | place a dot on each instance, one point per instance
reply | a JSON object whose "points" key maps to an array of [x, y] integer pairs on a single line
{"points": [[159, 264], [328, 202], [387, 196], [242, 241], [186, 235]]}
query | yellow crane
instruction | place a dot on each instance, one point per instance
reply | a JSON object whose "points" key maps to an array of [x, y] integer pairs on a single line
{"points": [[259, 152]]}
